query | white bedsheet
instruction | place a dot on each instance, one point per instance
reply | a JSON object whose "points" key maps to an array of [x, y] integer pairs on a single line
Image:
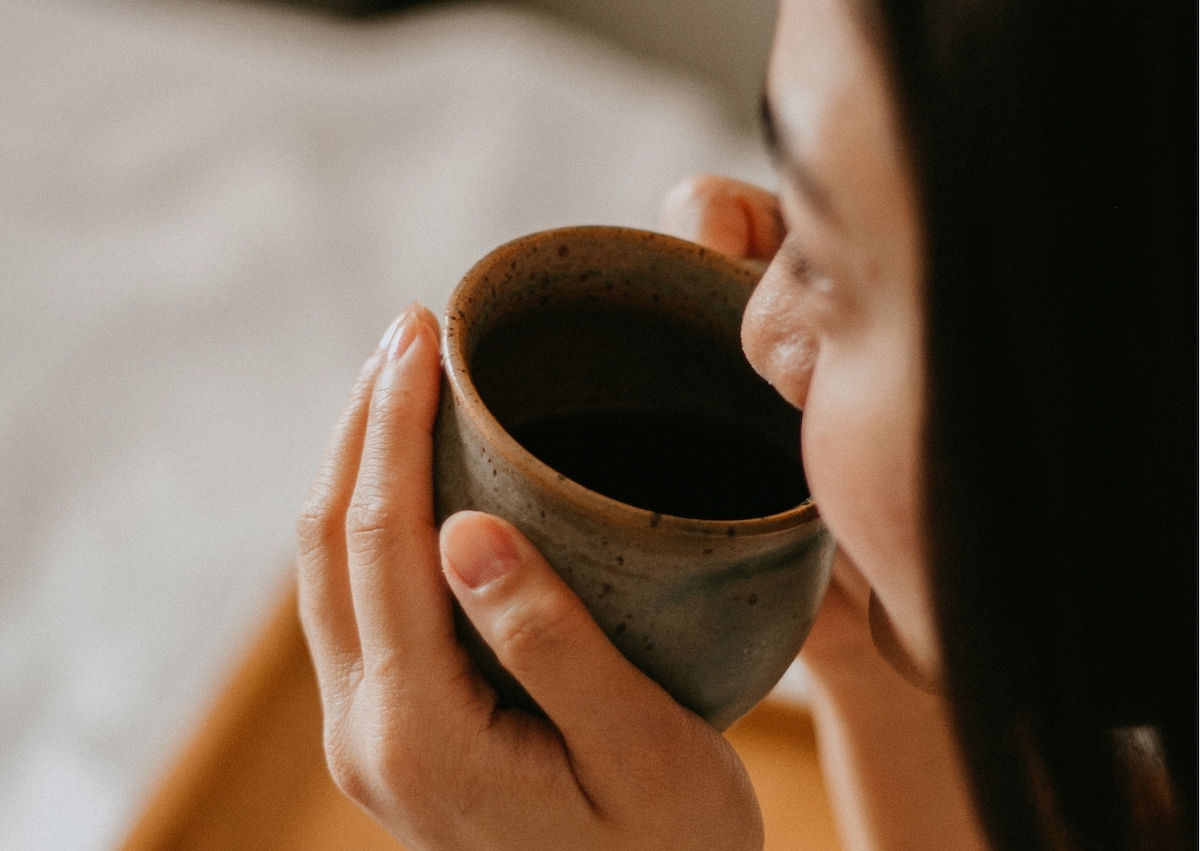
{"points": [[208, 214]]}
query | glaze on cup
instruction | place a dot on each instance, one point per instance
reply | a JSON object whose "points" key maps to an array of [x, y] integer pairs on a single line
{"points": [[707, 569]]}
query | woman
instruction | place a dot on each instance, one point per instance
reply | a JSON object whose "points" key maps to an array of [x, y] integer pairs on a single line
{"points": [[982, 294]]}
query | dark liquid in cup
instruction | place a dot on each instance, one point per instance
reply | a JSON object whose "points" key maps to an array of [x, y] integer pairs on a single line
{"points": [[644, 407], [681, 464]]}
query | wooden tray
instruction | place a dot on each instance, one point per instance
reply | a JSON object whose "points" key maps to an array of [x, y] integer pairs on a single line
{"points": [[254, 776]]}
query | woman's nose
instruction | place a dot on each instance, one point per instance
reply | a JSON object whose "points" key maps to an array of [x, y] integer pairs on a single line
{"points": [[777, 337]]}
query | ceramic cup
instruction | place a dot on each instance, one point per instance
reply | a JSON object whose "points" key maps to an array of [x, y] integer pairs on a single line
{"points": [[596, 397]]}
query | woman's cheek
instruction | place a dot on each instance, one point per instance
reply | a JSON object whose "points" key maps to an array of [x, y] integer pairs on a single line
{"points": [[860, 445], [855, 464], [828, 465]]}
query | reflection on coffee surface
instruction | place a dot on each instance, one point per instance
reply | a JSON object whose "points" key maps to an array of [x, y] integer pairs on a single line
{"points": [[647, 408], [672, 463]]}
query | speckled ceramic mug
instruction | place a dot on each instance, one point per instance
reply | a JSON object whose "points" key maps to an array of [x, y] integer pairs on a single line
{"points": [[596, 397]]}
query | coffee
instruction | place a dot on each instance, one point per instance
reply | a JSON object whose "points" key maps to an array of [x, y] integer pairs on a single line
{"points": [[644, 406], [687, 465]]}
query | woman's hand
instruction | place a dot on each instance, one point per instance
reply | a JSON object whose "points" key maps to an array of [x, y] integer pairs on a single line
{"points": [[726, 215], [412, 731]]}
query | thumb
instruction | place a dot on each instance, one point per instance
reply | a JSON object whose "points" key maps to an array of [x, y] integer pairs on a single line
{"points": [[542, 633]]}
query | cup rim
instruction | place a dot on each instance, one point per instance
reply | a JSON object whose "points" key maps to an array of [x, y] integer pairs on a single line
{"points": [[603, 507]]}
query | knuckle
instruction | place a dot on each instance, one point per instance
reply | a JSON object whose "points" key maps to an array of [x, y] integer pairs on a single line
{"points": [[406, 765], [369, 520], [318, 523], [349, 779], [535, 629], [344, 767], [373, 761]]}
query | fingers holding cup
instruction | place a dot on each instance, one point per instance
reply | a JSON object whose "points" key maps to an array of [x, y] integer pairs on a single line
{"points": [[401, 602], [730, 216]]}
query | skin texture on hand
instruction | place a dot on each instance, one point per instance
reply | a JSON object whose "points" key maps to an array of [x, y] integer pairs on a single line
{"points": [[412, 731]]}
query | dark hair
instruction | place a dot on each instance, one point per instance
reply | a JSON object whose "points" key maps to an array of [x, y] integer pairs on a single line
{"points": [[1054, 146]]}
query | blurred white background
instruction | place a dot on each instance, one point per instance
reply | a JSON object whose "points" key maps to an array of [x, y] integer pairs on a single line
{"points": [[209, 212]]}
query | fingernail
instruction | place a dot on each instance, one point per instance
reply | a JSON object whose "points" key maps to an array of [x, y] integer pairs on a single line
{"points": [[391, 331], [403, 336], [478, 548]]}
